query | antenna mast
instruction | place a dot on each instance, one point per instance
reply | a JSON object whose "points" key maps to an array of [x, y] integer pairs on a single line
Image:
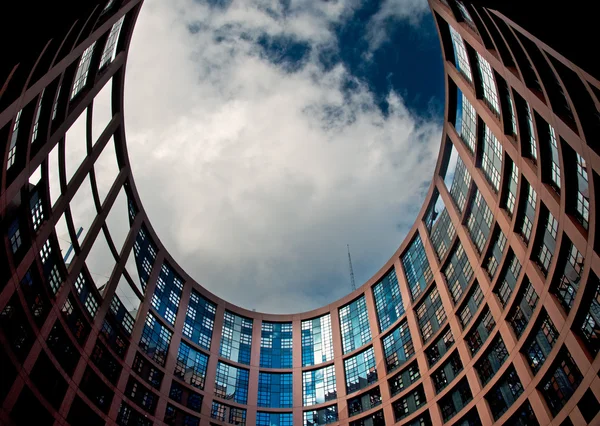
{"points": [[351, 270]]}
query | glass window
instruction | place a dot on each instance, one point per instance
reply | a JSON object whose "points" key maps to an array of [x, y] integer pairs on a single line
{"points": [[501, 397], [375, 419], [364, 402], [82, 70], [404, 378], [430, 314], [555, 166], [231, 383], [545, 249], [408, 404], [318, 386], [511, 194], [191, 365], [460, 185], [458, 272], [461, 59], [491, 160], [144, 368], [53, 277], [218, 411], [145, 254], [388, 300], [174, 415], [167, 294], [236, 339], [317, 344], [12, 149], [110, 48], [466, 121], [490, 93], [398, 347], [566, 286], [141, 395], [108, 6], [528, 215], [561, 382], [361, 370], [274, 419], [176, 391], [524, 416], [455, 400], [442, 234], [55, 105], [14, 236], [128, 415], [469, 419], [123, 317], [75, 320], [540, 343], [321, 417], [481, 331], [199, 320], [155, 340], [37, 210], [508, 279], [492, 360], [479, 221], [275, 390], [36, 297], [529, 145], [237, 416], [194, 401], [276, 345], [354, 324], [583, 200], [513, 117], [444, 375], [119, 343], [471, 305], [226, 413], [495, 253], [416, 267], [590, 328], [465, 14], [525, 305]]}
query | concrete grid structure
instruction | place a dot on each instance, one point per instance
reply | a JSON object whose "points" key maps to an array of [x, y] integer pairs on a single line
{"points": [[487, 312]]}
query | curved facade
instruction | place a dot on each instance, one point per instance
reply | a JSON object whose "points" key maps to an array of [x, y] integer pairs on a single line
{"points": [[487, 312]]}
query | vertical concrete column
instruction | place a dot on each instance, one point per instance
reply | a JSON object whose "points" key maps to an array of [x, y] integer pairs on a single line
{"points": [[485, 414], [577, 353], [297, 370], [541, 410], [254, 370], [525, 375]]}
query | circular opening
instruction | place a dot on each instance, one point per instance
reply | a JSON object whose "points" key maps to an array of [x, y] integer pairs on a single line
{"points": [[263, 140]]}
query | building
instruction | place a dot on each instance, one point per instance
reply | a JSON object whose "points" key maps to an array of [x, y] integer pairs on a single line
{"points": [[487, 312]]}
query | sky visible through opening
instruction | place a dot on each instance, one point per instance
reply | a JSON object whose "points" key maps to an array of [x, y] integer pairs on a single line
{"points": [[264, 136]]}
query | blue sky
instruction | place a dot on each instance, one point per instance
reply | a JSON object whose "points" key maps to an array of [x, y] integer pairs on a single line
{"points": [[408, 62], [264, 136]]}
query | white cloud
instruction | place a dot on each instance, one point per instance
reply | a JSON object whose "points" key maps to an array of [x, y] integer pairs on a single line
{"points": [[392, 11], [255, 178]]}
